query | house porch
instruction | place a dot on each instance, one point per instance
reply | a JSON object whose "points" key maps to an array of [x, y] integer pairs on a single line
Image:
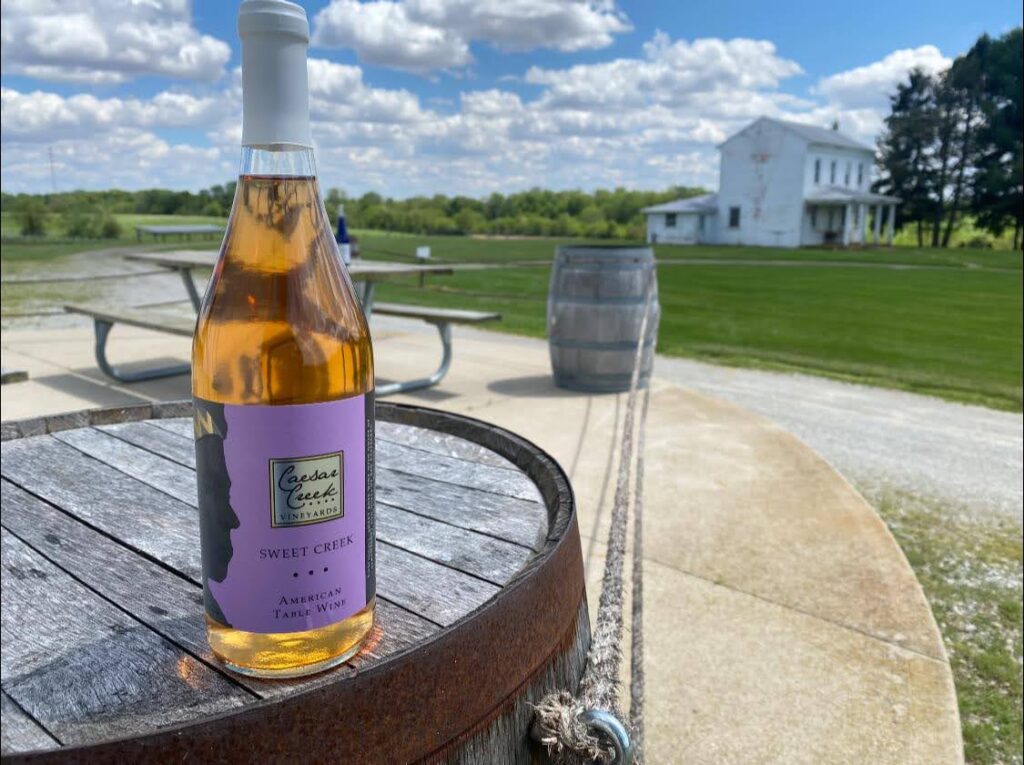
{"points": [[848, 222]]}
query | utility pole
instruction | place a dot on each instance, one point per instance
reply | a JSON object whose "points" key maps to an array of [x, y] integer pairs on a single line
{"points": [[53, 174]]}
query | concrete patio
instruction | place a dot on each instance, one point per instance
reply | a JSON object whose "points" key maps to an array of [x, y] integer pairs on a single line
{"points": [[783, 623]]}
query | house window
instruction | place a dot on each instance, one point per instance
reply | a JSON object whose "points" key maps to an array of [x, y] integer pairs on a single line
{"points": [[817, 170], [846, 178], [734, 217], [832, 172], [860, 175], [670, 220], [831, 219], [856, 215], [814, 217]]}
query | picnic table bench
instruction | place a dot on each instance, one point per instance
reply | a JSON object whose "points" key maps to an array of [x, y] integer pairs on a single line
{"points": [[481, 605], [182, 231], [10, 375], [364, 273]]}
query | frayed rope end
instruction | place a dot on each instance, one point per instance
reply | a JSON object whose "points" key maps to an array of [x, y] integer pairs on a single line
{"points": [[568, 741]]}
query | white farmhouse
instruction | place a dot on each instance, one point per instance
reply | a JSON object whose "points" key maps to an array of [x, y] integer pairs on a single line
{"points": [[782, 184]]}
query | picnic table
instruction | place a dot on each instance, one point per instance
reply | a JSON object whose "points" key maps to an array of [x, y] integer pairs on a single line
{"points": [[481, 605], [182, 231], [365, 273]]}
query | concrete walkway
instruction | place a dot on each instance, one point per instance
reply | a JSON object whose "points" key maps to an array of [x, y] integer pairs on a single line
{"points": [[968, 457], [783, 622]]}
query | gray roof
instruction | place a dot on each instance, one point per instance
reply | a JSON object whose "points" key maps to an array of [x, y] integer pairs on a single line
{"points": [[812, 134], [839, 195], [822, 136], [705, 203]]}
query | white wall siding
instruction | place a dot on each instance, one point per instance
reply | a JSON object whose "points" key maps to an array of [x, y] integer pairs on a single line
{"points": [[762, 173], [826, 155], [686, 230]]}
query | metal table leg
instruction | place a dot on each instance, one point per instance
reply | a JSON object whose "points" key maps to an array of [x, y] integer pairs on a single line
{"points": [[190, 287], [444, 330], [102, 333], [366, 297]]}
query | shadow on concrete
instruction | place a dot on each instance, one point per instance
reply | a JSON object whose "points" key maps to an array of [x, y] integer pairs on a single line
{"points": [[163, 389], [532, 387], [428, 395], [100, 395]]}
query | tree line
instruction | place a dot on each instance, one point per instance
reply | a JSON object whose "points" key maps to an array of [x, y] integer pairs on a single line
{"points": [[952, 144], [602, 214], [612, 214], [91, 214]]}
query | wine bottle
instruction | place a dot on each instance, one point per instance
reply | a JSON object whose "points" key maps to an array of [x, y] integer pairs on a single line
{"points": [[344, 244], [282, 380]]}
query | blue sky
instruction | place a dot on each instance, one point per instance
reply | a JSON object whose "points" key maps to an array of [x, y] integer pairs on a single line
{"points": [[470, 96]]}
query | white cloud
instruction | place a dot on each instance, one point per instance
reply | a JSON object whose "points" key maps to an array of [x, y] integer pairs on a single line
{"points": [[871, 85], [494, 103], [646, 122], [337, 92], [127, 158], [567, 134], [670, 73], [427, 35], [381, 32], [40, 117], [107, 41], [522, 25]]}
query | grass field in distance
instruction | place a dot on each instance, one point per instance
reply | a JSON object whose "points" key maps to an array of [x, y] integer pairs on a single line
{"points": [[951, 328]]}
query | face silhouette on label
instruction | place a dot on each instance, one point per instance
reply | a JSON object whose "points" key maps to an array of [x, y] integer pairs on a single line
{"points": [[216, 516]]}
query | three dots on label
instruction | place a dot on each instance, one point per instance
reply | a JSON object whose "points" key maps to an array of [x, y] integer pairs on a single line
{"points": [[311, 572]]}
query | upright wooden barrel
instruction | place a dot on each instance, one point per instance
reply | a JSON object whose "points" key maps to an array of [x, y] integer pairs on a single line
{"points": [[481, 605], [595, 307]]}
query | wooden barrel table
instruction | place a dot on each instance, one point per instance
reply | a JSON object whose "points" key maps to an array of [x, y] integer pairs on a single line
{"points": [[481, 605], [596, 303]]}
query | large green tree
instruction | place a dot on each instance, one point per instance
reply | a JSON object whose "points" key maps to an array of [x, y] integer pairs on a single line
{"points": [[952, 143], [998, 182], [959, 97], [906, 150]]}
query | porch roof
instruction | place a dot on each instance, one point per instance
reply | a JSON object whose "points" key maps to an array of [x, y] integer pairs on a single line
{"points": [[837, 195], [705, 203]]}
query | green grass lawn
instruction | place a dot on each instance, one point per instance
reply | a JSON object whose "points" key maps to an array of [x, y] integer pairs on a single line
{"points": [[952, 329], [14, 247], [952, 332], [9, 227], [971, 571], [376, 244]]}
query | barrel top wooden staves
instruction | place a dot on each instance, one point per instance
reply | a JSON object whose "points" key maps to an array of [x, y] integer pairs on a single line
{"points": [[481, 601]]}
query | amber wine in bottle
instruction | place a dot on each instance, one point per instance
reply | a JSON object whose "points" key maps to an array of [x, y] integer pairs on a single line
{"points": [[282, 379]]}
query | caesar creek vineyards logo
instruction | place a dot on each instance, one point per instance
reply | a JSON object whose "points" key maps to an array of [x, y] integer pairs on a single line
{"points": [[307, 490]]}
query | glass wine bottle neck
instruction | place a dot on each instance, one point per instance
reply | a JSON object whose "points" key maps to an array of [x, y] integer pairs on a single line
{"points": [[279, 161], [276, 138]]}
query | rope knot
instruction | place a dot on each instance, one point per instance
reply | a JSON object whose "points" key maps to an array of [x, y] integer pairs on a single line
{"points": [[558, 725]]}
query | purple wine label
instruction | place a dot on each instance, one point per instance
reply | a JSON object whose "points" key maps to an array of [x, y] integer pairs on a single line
{"points": [[286, 512]]}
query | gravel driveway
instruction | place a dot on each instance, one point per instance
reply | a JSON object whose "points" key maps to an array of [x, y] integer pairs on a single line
{"points": [[968, 456]]}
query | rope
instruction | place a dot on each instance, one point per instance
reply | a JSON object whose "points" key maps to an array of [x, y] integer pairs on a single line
{"points": [[558, 724], [637, 678]]}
